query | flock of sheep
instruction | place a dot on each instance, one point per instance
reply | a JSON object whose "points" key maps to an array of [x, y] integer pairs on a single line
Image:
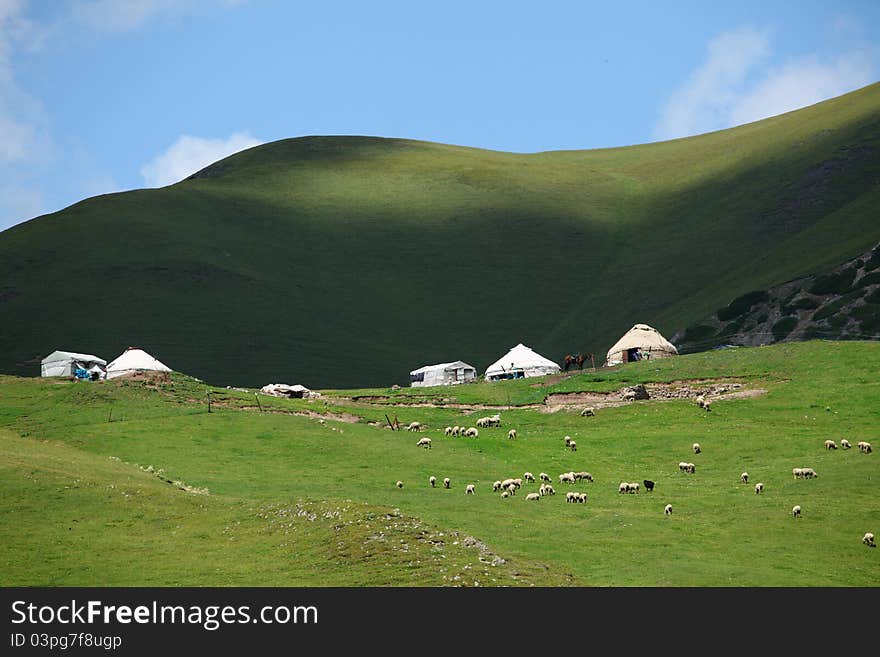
{"points": [[509, 486]]}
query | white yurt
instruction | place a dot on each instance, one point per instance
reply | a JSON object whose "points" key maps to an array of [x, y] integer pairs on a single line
{"points": [[134, 359], [520, 362], [640, 342], [442, 374], [65, 363]]}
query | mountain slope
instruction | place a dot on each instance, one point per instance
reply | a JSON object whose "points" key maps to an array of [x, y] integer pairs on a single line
{"points": [[348, 261]]}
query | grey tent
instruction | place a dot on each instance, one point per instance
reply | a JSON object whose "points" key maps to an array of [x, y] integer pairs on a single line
{"points": [[65, 363]]}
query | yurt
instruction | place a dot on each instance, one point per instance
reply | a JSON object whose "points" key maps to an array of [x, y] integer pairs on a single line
{"points": [[66, 363], [640, 342], [520, 362], [442, 374], [134, 359]]}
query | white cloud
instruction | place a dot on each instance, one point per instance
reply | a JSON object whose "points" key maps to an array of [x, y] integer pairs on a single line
{"points": [[735, 85], [190, 154], [126, 15]]}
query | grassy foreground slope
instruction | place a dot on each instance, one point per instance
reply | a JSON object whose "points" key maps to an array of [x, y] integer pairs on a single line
{"points": [[86, 500], [349, 261]]}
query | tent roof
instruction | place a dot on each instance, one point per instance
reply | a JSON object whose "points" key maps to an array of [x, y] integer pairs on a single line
{"points": [[455, 365], [643, 336], [523, 357], [134, 358], [72, 355]]}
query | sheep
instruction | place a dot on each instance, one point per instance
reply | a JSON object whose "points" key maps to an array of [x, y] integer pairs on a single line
{"points": [[447, 431], [505, 494], [512, 489], [632, 488], [528, 476], [414, 426], [568, 441], [667, 510], [433, 481], [542, 490], [496, 486], [864, 447], [798, 473], [424, 442], [691, 468], [583, 475], [707, 405], [582, 498], [759, 488], [572, 497], [469, 489], [683, 466], [549, 490], [700, 400], [456, 430], [744, 477], [588, 412], [623, 488], [399, 484], [544, 477], [507, 482], [533, 496], [697, 448], [483, 422], [566, 478], [471, 432], [511, 435], [830, 444], [845, 444], [868, 539], [518, 482], [649, 485], [495, 420], [573, 446], [446, 482], [808, 473], [796, 511]]}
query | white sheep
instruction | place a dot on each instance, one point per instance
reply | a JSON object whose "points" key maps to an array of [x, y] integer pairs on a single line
{"points": [[469, 489], [483, 422], [759, 488], [845, 444], [414, 426], [566, 478], [399, 484], [632, 488], [511, 435], [583, 475], [697, 448], [623, 488], [544, 477], [472, 432], [865, 447], [573, 445], [518, 482], [683, 466], [447, 431], [567, 441], [528, 476], [512, 489], [744, 477], [496, 486], [456, 430], [830, 444], [542, 490], [570, 496], [691, 468], [588, 412], [424, 442], [549, 490], [505, 494], [495, 420], [798, 473], [868, 539], [667, 509], [533, 496], [796, 511], [581, 497], [446, 482], [809, 473], [700, 400], [506, 483], [433, 481]]}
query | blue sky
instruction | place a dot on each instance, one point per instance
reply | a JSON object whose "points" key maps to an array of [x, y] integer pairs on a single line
{"points": [[98, 96]]}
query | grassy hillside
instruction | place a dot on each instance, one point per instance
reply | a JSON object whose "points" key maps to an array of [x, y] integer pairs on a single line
{"points": [[348, 261], [136, 483]]}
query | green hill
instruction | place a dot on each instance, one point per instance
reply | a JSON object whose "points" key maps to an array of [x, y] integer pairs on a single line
{"points": [[135, 483], [348, 261]]}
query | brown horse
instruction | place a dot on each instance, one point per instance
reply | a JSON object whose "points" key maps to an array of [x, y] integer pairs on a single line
{"points": [[580, 359]]}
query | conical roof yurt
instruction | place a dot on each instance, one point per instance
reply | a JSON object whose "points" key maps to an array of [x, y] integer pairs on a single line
{"points": [[134, 360], [520, 362], [641, 341]]}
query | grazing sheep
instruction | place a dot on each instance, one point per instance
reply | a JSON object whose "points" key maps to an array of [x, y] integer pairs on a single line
{"points": [[528, 476], [864, 447], [623, 488], [796, 510], [568, 441], [808, 473], [507, 483], [469, 489], [632, 487], [433, 481], [700, 400], [512, 489], [583, 475], [456, 430], [471, 432], [542, 490], [447, 431], [572, 497], [496, 486], [707, 405], [691, 468], [667, 509], [588, 412], [683, 466], [544, 477], [511, 435], [518, 482], [744, 477], [446, 482], [414, 426], [868, 539], [697, 448], [533, 496], [424, 442], [495, 420], [845, 444], [482, 422], [759, 488], [649, 485], [566, 478], [399, 484], [798, 473], [505, 494], [830, 444], [573, 445], [549, 490]]}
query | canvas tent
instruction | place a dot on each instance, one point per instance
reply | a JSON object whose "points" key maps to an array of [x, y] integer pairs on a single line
{"points": [[134, 360], [442, 374], [520, 362], [641, 341], [65, 363]]}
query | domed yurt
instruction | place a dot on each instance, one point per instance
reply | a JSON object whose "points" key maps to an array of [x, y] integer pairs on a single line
{"points": [[641, 342]]}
